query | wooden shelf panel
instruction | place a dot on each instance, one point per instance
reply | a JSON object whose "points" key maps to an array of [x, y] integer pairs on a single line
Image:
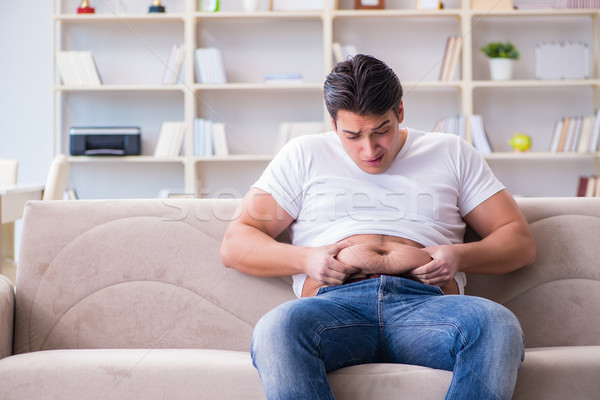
{"points": [[405, 13], [555, 12], [536, 83], [156, 17], [539, 155], [235, 157], [260, 86], [317, 14], [125, 159], [121, 88]]}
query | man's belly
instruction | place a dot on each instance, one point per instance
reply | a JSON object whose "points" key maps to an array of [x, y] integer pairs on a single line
{"points": [[379, 254]]}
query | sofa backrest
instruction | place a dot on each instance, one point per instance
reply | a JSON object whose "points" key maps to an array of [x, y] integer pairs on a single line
{"points": [[147, 274], [557, 299], [134, 274]]}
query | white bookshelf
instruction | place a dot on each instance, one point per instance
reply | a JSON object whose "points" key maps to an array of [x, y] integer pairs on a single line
{"points": [[131, 47]]}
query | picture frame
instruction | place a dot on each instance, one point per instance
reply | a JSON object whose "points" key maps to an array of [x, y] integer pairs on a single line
{"points": [[302, 5], [429, 4], [369, 4]]}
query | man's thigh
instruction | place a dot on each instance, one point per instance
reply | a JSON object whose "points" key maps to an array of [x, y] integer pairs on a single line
{"points": [[431, 329], [340, 326]]}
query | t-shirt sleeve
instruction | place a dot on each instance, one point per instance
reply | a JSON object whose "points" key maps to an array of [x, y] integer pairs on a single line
{"points": [[477, 181], [283, 178]]}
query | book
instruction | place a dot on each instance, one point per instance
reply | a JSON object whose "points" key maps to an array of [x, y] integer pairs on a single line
{"points": [[582, 186], [171, 74], [491, 5], [220, 146], [446, 58], [210, 67], [210, 138], [480, 138], [585, 134], [454, 125], [451, 58], [77, 68], [170, 139], [595, 138], [342, 52], [556, 135], [275, 79]]}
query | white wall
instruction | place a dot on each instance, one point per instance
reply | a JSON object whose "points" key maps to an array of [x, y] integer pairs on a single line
{"points": [[25, 112], [25, 93]]}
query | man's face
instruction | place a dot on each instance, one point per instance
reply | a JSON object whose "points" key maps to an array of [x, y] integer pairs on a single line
{"points": [[372, 141]]}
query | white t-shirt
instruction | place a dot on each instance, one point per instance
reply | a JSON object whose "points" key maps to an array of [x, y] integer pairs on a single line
{"points": [[435, 179]]}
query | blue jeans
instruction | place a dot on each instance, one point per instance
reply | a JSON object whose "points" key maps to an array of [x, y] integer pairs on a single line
{"points": [[391, 320]]}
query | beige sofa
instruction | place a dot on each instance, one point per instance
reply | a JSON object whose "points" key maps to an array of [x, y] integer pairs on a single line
{"points": [[127, 299]]}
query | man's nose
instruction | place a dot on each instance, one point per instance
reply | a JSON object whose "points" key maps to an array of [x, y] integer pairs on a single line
{"points": [[370, 146]]}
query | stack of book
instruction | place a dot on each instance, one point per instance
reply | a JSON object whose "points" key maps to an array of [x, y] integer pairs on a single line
{"points": [[210, 67], [457, 126], [170, 139], [281, 79], [451, 58], [77, 68], [576, 3], [480, 138], [173, 65], [454, 125], [209, 138], [576, 134], [589, 186]]}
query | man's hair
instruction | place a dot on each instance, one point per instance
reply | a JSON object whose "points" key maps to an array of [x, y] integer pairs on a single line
{"points": [[363, 85]]}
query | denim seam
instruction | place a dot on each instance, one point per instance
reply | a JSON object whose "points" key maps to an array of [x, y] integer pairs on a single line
{"points": [[319, 332]]}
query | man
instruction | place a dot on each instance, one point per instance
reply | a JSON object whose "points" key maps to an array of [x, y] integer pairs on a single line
{"points": [[377, 215]]}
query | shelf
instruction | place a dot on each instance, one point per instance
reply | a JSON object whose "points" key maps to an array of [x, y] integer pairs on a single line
{"points": [[235, 157], [255, 42], [124, 159], [389, 13], [432, 84], [119, 17], [317, 14], [536, 83], [260, 86], [554, 12], [121, 88], [539, 155]]}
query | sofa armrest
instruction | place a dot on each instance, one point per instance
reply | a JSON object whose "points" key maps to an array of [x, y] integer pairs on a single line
{"points": [[7, 313]]}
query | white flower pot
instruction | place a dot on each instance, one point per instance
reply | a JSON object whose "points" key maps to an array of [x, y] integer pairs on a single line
{"points": [[501, 69], [251, 5]]}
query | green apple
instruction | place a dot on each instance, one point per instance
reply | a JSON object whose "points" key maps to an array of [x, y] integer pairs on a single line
{"points": [[520, 142]]}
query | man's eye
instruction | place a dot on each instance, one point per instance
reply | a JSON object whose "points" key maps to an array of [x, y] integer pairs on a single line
{"points": [[382, 132], [351, 137]]}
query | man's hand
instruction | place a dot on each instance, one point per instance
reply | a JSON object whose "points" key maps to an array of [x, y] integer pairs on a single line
{"points": [[322, 265], [441, 270]]}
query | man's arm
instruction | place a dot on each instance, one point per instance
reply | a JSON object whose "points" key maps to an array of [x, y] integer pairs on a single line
{"points": [[249, 245], [506, 245]]}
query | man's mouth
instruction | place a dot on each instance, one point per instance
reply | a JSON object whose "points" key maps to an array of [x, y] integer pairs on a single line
{"points": [[374, 161]]}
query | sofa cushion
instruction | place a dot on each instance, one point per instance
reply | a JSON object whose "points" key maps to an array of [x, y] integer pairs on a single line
{"points": [[134, 274], [559, 373], [130, 374], [557, 299]]}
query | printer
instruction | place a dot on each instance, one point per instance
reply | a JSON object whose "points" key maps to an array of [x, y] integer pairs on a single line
{"points": [[105, 141]]}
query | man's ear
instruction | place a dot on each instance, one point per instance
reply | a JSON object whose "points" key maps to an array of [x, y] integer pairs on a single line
{"points": [[400, 113], [333, 123]]}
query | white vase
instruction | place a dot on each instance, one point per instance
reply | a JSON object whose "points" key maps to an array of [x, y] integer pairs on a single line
{"points": [[501, 69], [251, 5]]}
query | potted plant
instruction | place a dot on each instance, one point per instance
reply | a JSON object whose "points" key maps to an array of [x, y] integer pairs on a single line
{"points": [[502, 56]]}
